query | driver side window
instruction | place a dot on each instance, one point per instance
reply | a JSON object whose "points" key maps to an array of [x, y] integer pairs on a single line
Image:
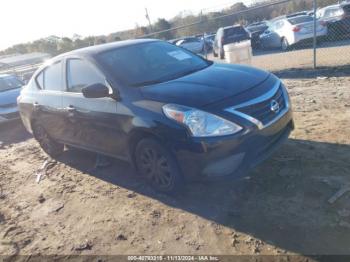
{"points": [[80, 74]]}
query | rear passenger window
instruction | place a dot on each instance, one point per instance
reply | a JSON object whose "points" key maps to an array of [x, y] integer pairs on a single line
{"points": [[40, 80], [51, 78], [81, 74]]}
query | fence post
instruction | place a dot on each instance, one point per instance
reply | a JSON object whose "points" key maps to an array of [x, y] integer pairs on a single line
{"points": [[203, 35], [315, 34]]}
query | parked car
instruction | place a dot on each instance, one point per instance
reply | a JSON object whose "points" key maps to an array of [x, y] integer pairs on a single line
{"points": [[286, 32], [297, 14], [255, 30], [228, 35], [311, 13], [173, 41], [337, 18], [10, 87], [173, 114], [209, 41], [192, 44]]}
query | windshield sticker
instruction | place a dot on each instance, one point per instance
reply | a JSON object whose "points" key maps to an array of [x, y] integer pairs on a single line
{"points": [[179, 55]]}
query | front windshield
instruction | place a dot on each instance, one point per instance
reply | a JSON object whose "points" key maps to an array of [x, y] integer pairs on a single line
{"points": [[9, 82], [150, 63]]}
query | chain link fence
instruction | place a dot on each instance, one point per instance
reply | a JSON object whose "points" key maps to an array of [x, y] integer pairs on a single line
{"points": [[334, 49], [316, 35]]}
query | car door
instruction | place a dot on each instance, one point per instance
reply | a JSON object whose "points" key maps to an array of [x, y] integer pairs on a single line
{"points": [[276, 33], [93, 122], [47, 101], [281, 30], [271, 37]]}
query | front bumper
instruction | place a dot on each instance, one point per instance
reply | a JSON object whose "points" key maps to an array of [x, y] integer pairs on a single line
{"points": [[9, 114], [232, 156]]}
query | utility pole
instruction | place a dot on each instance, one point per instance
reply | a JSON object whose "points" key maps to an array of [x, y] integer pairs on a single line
{"points": [[149, 20], [315, 34], [204, 42]]}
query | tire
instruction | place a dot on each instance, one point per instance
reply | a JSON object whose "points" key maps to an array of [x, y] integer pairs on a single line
{"points": [[333, 34], [50, 146], [214, 54], [222, 55], [158, 166], [284, 44]]}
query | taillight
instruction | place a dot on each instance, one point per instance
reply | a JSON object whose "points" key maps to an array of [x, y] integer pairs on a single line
{"points": [[296, 28]]}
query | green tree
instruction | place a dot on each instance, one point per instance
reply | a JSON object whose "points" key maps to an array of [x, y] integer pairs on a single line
{"points": [[160, 25], [65, 44]]}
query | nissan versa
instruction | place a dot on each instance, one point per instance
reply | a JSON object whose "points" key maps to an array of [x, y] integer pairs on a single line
{"points": [[173, 114]]}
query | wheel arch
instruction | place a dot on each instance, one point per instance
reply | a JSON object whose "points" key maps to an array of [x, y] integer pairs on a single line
{"points": [[135, 137]]}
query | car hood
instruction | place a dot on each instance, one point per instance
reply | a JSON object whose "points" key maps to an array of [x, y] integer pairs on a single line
{"points": [[9, 96], [207, 86]]}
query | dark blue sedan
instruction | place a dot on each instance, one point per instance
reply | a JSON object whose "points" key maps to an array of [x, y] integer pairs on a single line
{"points": [[171, 113]]}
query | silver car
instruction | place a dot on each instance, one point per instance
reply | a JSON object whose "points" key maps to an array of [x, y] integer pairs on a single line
{"points": [[285, 32], [192, 44]]}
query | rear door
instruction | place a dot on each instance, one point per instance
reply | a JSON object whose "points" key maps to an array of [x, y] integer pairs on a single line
{"points": [[93, 122], [47, 102], [235, 34]]}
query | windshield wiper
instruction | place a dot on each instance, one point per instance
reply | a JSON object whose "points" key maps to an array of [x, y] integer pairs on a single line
{"points": [[188, 72], [169, 78]]}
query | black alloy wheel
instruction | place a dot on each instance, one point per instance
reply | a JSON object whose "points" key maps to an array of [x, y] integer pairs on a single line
{"points": [[157, 165], [50, 146]]}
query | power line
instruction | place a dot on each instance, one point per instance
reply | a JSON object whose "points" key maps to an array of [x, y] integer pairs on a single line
{"points": [[218, 17]]}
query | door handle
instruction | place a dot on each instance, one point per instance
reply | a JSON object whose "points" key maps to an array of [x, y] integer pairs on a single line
{"points": [[36, 106], [70, 109]]}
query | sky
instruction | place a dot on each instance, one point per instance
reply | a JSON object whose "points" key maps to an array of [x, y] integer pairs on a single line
{"points": [[27, 20]]}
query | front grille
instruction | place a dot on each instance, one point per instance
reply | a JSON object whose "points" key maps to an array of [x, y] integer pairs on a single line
{"points": [[262, 110]]}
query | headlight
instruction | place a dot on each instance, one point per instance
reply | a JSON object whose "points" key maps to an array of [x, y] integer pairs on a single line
{"points": [[200, 123]]}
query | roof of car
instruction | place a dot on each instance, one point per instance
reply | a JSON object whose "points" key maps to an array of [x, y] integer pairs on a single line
{"points": [[91, 50], [231, 26]]}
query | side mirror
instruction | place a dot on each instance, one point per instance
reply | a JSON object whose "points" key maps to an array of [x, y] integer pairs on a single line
{"points": [[95, 91]]}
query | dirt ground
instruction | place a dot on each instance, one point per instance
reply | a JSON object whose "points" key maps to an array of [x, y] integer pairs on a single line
{"points": [[280, 208], [328, 54]]}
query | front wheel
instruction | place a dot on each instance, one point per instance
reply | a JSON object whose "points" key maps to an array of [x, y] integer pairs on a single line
{"points": [[49, 145], [222, 54], [284, 44], [333, 34], [158, 166]]}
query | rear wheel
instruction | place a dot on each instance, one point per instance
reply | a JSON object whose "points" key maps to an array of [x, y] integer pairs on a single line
{"points": [[158, 166], [222, 54], [49, 145], [214, 54], [333, 34], [284, 44]]}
